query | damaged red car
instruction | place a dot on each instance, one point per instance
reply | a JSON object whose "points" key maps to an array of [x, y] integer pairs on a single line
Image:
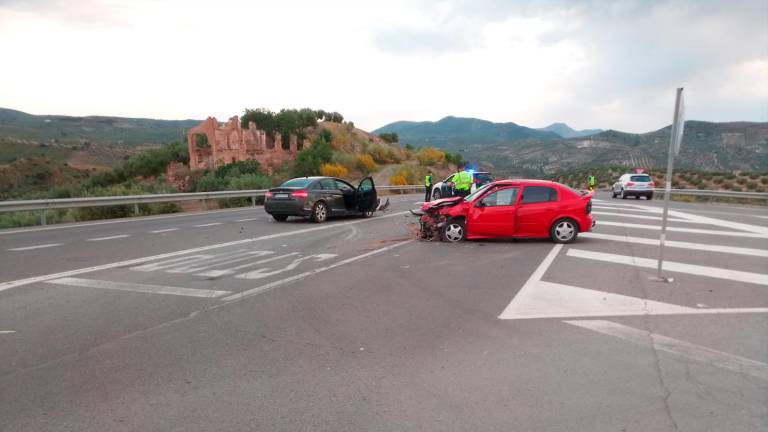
{"points": [[509, 209]]}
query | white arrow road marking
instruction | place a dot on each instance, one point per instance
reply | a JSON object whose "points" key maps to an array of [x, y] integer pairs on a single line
{"points": [[677, 347], [222, 272], [678, 267], [34, 247], [679, 244], [264, 272], [136, 287]]}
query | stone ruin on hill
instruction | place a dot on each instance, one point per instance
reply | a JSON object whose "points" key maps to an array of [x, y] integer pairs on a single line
{"points": [[229, 143]]}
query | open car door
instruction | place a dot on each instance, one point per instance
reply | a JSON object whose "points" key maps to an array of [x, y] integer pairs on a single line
{"points": [[366, 196]]}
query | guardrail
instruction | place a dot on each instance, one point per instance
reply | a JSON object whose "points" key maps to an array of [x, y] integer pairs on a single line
{"points": [[710, 193], [49, 204]]}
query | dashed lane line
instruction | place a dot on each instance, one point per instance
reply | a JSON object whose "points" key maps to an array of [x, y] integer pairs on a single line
{"points": [[653, 341], [26, 248], [678, 267], [119, 236], [7, 331], [163, 230], [678, 244], [685, 230], [142, 260], [137, 287], [247, 220], [208, 224]]}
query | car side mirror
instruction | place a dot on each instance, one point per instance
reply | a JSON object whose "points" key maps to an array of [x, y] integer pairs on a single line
{"points": [[480, 203]]}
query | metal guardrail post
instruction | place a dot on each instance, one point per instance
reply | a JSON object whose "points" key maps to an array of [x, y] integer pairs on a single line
{"points": [[42, 217], [135, 209], [203, 204], [253, 200]]}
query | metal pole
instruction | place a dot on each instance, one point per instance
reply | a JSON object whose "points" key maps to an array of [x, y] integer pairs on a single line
{"points": [[135, 209], [42, 217], [668, 185], [253, 201]]}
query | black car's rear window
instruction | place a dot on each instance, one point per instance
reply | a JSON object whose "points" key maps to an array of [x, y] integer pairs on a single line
{"points": [[640, 178], [297, 183]]}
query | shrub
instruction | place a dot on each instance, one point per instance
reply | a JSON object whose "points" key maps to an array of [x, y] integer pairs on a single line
{"points": [[764, 180], [754, 176], [430, 156], [751, 185], [741, 180], [730, 176], [735, 187], [308, 161], [398, 180], [333, 170], [365, 163]]}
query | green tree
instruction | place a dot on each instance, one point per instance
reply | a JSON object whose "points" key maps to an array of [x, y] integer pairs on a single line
{"points": [[308, 161], [390, 137]]}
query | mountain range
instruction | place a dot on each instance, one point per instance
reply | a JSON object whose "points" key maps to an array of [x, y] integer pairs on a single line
{"points": [[512, 149]]}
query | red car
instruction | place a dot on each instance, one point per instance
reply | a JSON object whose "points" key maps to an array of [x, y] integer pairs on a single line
{"points": [[511, 209]]}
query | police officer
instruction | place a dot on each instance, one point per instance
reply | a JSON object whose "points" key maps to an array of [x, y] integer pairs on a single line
{"points": [[591, 182], [428, 187], [462, 181]]}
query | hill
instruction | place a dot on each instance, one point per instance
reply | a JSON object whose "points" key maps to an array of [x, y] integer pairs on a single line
{"points": [[566, 131], [454, 133], [94, 129]]}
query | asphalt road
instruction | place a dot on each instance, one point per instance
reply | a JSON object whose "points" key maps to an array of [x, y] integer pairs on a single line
{"points": [[229, 321]]}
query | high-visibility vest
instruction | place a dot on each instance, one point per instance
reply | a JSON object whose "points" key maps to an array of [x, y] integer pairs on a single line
{"points": [[428, 180], [591, 180], [462, 180]]}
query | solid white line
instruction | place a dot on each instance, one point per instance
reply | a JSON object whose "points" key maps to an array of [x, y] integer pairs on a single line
{"points": [[275, 284], [35, 247], [533, 280], [124, 220], [698, 270], [137, 287], [131, 262], [109, 238], [602, 213], [208, 224], [679, 244], [685, 230], [677, 347], [163, 230]]}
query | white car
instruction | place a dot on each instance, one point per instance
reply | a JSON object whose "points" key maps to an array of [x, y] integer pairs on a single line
{"points": [[635, 185], [443, 190]]}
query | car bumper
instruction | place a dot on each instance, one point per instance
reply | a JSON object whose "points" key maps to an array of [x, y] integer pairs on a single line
{"points": [[641, 192], [287, 208]]}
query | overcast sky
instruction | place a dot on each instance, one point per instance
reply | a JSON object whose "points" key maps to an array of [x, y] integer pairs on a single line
{"points": [[591, 64]]}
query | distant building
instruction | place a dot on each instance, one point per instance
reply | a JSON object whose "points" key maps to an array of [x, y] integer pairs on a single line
{"points": [[229, 143]]}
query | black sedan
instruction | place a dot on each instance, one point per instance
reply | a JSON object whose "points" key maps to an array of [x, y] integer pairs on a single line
{"points": [[321, 197]]}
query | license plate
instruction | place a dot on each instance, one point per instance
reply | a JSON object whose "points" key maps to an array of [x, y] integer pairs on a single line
{"points": [[279, 195]]}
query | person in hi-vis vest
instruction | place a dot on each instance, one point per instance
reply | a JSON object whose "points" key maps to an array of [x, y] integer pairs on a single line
{"points": [[462, 182], [428, 187]]}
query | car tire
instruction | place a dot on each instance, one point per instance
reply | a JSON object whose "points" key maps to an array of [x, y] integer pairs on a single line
{"points": [[367, 214], [436, 195], [623, 194], [454, 231], [280, 218], [637, 196], [613, 193], [319, 212], [564, 231], [649, 197]]}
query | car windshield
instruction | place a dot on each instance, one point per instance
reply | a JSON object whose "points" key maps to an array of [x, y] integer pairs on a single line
{"points": [[477, 193], [640, 178], [297, 183]]}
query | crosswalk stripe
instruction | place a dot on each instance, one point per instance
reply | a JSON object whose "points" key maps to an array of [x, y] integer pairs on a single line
{"points": [[678, 267], [685, 230], [678, 244]]}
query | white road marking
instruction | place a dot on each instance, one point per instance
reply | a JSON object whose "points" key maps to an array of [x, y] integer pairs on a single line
{"points": [[685, 230], [136, 287], [712, 221], [228, 258], [627, 215], [275, 284], [109, 238], [678, 267], [25, 248], [124, 220], [160, 265], [222, 272], [136, 261], [7, 331], [247, 220], [264, 272], [208, 224], [677, 347], [678, 244], [163, 230]]}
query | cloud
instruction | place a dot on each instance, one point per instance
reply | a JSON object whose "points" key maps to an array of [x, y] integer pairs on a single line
{"points": [[422, 41]]}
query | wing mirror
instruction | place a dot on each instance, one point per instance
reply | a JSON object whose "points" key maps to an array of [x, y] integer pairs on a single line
{"points": [[480, 203]]}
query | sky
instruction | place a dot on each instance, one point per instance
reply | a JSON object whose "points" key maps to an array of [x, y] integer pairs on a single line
{"points": [[589, 63]]}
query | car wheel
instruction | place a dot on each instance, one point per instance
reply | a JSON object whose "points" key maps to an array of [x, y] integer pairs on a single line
{"points": [[436, 195], [368, 214], [649, 197], [637, 196], [319, 212], [623, 194], [564, 231], [613, 193], [280, 218], [454, 231]]}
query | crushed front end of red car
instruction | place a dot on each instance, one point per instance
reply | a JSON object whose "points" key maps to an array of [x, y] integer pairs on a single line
{"points": [[433, 215]]}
